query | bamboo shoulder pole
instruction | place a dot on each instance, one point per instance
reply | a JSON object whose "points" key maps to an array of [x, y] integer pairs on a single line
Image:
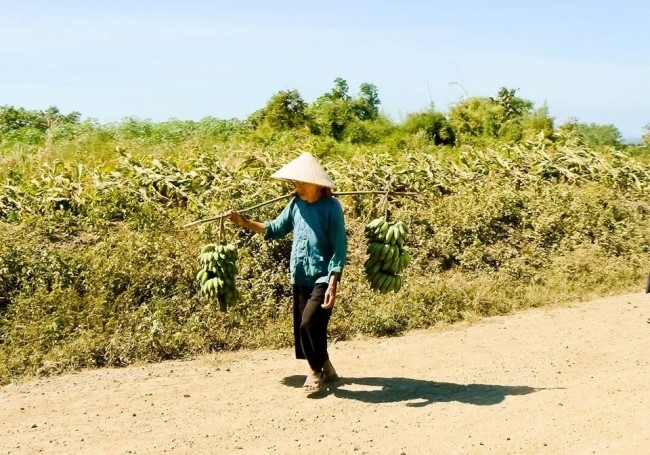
{"points": [[247, 209], [287, 196], [352, 193]]}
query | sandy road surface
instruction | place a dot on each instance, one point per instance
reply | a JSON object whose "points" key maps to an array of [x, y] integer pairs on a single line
{"points": [[571, 380]]}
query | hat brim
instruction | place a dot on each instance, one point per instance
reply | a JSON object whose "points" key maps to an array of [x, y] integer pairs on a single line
{"points": [[305, 169]]}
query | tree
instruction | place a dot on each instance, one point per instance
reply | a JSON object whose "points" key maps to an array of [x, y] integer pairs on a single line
{"points": [[332, 113], [285, 110], [12, 118], [367, 105], [432, 124], [34, 127], [504, 117], [477, 117], [536, 122], [512, 105], [330, 116], [340, 90], [646, 136], [599, 135]]}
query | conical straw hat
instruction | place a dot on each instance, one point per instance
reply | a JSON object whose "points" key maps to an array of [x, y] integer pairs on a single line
{"points": [[306, 169]]}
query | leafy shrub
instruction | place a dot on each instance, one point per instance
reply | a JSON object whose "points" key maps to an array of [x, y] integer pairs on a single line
{"points": [[433, 125]]}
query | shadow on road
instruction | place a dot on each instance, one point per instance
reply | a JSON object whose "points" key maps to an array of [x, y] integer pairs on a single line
{"points": [[416, 391]]}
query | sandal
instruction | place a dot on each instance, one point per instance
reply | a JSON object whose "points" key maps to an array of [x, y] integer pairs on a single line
{"points": [[313, 383]]}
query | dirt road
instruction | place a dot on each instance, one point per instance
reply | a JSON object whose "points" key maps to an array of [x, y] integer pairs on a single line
{"points": [[571, 380]]}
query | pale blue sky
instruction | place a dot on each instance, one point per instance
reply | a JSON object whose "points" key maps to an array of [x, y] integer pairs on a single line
{"points": [[191, 59]]}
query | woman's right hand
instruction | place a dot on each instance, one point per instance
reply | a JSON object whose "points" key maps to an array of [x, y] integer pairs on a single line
{"points": [[241, 220], [236, 218]]}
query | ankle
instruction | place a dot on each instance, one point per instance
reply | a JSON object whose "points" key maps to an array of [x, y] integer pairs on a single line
{"points": [[328, 368]]}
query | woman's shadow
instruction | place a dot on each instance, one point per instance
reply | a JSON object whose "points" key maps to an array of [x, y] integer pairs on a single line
{"points": [[416, 392]]}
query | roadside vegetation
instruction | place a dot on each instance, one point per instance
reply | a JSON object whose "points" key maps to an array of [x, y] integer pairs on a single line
{"points": [[513, 211]]}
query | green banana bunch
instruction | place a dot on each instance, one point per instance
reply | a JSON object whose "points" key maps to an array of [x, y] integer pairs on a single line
{"points": [[217, 276], [387, 256], [384, 231]]}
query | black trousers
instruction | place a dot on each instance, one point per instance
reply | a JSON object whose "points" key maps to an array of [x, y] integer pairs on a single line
{"points": [[310, 324]]}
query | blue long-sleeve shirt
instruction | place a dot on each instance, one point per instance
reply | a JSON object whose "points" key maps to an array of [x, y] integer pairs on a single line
{"points": [[319, 240]]}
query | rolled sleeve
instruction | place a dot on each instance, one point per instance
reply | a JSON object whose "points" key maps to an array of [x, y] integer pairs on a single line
{"points": [[280, 226]]}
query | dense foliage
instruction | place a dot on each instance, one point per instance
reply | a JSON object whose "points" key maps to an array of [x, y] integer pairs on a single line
{"points": [[96, 270]]}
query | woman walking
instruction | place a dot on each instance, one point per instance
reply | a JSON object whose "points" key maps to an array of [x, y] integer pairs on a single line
{"points": [[318, 255]]}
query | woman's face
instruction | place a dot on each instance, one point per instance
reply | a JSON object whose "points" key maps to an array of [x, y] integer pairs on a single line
{"points": [[308, 192]]}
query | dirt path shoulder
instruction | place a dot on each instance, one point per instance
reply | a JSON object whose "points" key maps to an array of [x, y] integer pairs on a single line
{"points": [[571, 380]]}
